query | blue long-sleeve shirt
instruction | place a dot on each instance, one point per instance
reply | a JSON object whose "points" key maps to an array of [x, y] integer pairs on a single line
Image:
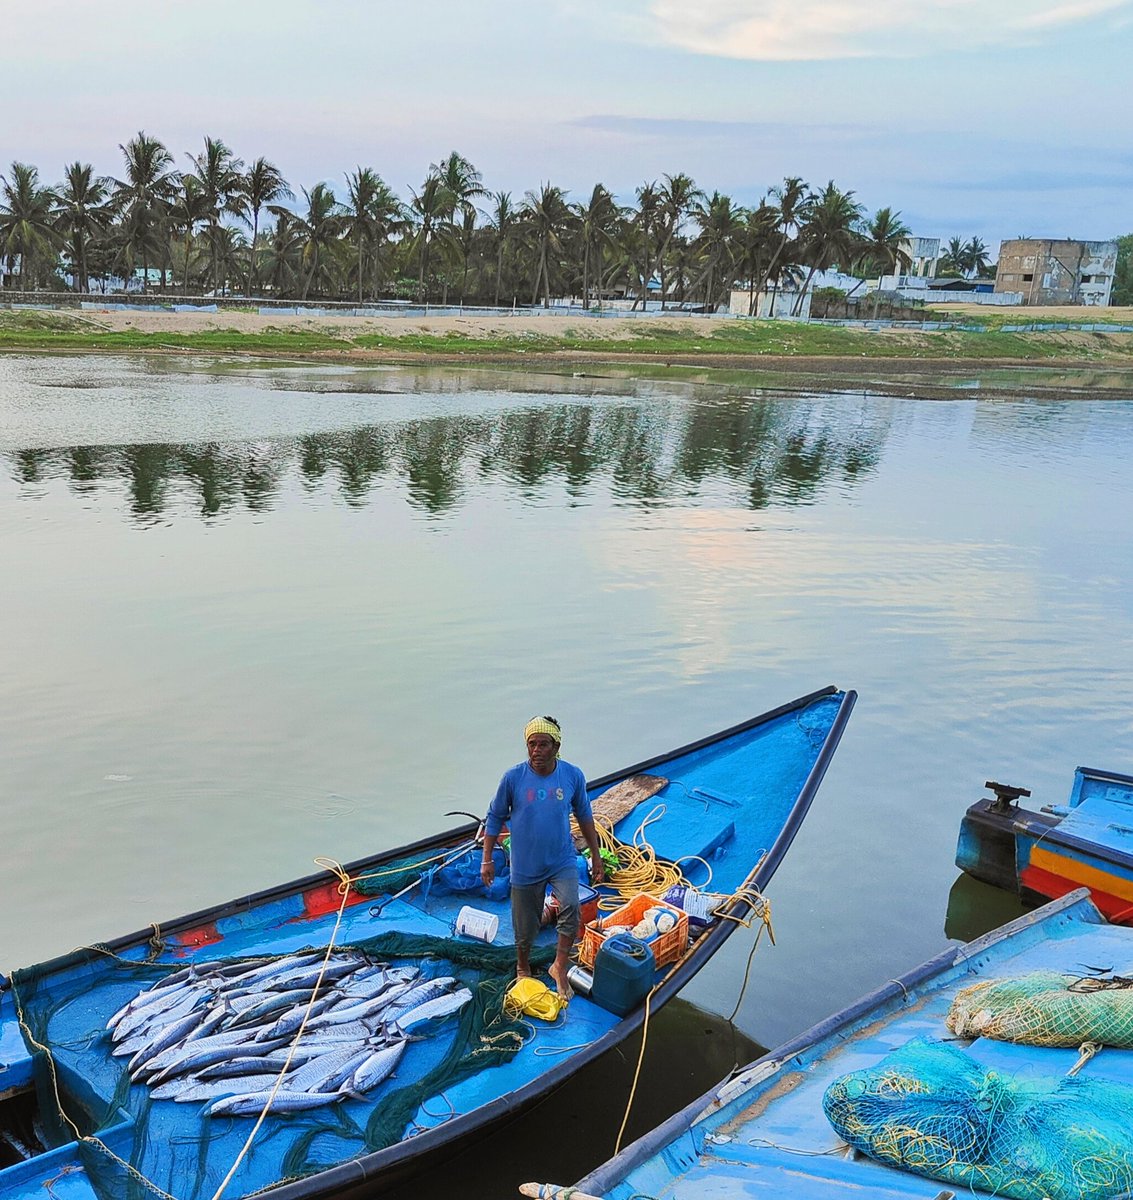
{"points": [[537, 810]]}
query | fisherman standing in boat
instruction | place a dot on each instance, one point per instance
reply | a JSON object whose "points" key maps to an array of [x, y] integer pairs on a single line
{"points": [[535, 800]]}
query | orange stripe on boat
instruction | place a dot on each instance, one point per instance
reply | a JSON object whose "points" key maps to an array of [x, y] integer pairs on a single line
{"points": [[1082, 873]]}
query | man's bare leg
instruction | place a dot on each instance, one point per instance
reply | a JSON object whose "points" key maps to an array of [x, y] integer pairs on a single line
{"points": [[558, 969]]}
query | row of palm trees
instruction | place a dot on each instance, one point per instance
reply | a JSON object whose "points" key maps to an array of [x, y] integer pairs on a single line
{"points": [[223, 227]]}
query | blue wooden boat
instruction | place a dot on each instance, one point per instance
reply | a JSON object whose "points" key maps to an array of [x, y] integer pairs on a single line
{"points": [[765, 1132], [78, 1122], [1088, 842]]}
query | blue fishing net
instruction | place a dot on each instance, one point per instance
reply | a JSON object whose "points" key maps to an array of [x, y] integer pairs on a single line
{"points": [[934, 1110], [460, 875]]}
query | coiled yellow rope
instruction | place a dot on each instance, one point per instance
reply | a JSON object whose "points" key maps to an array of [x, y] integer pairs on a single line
{"points": [[641, 872]]}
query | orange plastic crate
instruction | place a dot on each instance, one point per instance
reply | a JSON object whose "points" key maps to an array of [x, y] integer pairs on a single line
{"points": [[667, 947]]}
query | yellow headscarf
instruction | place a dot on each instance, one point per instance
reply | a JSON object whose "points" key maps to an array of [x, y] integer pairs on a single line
{"points": [[547, 725]]}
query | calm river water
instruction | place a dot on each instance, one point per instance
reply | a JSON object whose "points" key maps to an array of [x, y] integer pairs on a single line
{"points": [[255, 614]]}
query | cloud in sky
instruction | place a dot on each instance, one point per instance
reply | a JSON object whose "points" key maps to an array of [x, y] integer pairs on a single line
{"points": [[796, 30]]}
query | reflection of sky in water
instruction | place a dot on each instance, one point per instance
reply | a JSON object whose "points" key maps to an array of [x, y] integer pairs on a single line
{"points": [[393, 582]]}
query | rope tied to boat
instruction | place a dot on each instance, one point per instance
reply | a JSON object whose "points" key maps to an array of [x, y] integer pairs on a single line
{"points": [[79, 1136], [344, 882]]}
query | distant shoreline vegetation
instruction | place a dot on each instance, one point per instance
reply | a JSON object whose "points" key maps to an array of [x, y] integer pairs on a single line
{"points": [[222, 227]]}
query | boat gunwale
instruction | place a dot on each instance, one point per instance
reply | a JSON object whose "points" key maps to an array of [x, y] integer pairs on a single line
{"points": [[614, 1171], [1044, 829], [366, 1171]]}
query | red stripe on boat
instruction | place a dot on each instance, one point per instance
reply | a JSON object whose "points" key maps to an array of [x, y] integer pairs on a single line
{"points": [[326, 898], [202, 935], [1116, 908]]}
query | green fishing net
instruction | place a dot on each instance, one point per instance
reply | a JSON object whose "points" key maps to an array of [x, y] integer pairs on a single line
{"points": [[1047, 1009], [934, 1110]]}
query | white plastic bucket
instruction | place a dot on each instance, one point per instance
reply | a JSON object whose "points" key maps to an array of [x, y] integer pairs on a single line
{"points": [[475, 923]]}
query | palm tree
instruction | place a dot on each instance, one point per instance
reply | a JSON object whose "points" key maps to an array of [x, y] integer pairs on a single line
{"points": [[229, 251], [647, 219], [597, 223], [546, 217], [388, 220], [218, 171], [829, 233], [142, 200], [26, 228], [792, 200], [81, 214], [954, 258], [262, 185], [462, 184], [318, 233], [187, 210], [758, 242], [677, 199], [716, 244], [429, 208], [883, 247], [283, 256], [502, 220], [975, 257], [362, 188]]}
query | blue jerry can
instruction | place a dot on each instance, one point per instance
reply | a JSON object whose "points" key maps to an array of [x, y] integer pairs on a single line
{"points": [[623, 973]]}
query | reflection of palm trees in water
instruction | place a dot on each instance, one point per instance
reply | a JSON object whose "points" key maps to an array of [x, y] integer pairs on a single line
{"points": [[770, 452]]}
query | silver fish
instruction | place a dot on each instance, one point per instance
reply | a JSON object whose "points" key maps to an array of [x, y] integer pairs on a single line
{"points": [[288, 1022], [272, 1005], [171, 1035], [147, 1019], [429, 990], [326, 1073], [433, 1010], [273, 1060], [202, 1053], [253, 1103], [276, 967], [183, 1090], [375, 1068]]}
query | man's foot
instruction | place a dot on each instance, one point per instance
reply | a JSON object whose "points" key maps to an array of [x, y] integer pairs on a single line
{"points": [[562, 984]]}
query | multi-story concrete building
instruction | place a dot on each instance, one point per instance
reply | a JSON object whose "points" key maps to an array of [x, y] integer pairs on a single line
{"points": [[1059, 271]]}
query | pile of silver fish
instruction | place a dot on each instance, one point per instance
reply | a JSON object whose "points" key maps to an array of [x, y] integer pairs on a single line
{"points": [[223, 1032]]}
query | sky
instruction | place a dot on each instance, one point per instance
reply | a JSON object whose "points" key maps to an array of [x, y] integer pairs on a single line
{"points": [[988, 118]]}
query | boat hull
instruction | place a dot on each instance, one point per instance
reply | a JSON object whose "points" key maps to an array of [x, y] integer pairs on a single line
{"points": [[733, 800], [765, 1133], [1044, 855]]}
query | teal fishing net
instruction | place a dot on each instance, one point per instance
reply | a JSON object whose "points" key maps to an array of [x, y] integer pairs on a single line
{"points": [[934, 1110], [186, 1154], [1047, 1009]]}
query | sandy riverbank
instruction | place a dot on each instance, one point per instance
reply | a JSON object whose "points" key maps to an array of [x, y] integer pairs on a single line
{"points": [[522, 324], [605, 328]]}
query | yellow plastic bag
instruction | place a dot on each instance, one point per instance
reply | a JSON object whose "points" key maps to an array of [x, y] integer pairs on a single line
{"points": [[532, 998]]}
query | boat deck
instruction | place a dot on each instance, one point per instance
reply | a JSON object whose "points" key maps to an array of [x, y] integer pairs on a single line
{"points": [[765, 1133]]}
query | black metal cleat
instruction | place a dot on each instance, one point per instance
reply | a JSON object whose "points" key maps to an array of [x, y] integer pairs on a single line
{"points": [[1005, 795]]}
